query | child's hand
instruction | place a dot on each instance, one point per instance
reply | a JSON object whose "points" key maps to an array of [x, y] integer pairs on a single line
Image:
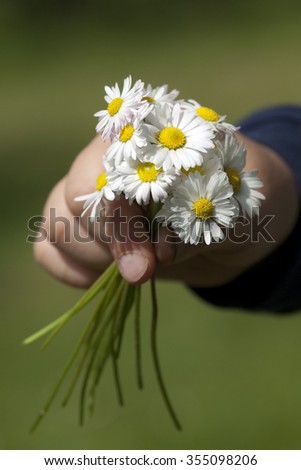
{"points": [[80, 263]]}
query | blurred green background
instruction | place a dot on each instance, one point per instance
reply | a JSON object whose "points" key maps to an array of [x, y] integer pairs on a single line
{"points": [[234, 377]]}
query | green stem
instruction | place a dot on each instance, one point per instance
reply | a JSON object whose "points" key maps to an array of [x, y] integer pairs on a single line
{"points": [[138, 338], [58, 324], [126, 308], [95, 348], [60, 380], [156, 357], [117, 321], [70, 361], [93, 326], [117, 381], [105, 351]]}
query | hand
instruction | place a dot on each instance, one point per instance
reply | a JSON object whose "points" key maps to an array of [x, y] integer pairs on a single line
{"points": [[80, 264]]}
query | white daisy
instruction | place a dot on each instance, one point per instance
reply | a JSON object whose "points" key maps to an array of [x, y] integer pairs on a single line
{"points": [[128, 143], [211, 164], [197, 206], [245, 183], [103, 190], [122, 106], [210, 115], [142, 181], [160, 95], [178, 138]]}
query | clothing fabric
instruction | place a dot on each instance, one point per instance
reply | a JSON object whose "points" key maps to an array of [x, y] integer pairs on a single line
{"points": [[276, 281]]}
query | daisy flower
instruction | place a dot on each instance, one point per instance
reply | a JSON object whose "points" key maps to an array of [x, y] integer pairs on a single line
{"points": [[244, 183], [103, 190], [122, 106], [198, 206], [159, 95], [210, 115], [178, 139], [211, 164], [142, 181], [128, 143]]}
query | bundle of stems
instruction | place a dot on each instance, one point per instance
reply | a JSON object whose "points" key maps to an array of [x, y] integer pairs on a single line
{"points": [[101, 339]]}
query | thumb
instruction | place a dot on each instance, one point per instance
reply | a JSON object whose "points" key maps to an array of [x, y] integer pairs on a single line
{"points": [[128, 232]]}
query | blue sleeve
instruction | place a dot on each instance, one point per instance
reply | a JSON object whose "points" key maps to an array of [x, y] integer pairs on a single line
{"points": [[275, 281]]}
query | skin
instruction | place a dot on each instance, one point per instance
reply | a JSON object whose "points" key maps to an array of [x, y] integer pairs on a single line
{"points": [[79, 264]]}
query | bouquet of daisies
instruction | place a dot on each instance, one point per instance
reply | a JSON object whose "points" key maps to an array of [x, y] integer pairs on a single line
{"points": [[182, 163]]}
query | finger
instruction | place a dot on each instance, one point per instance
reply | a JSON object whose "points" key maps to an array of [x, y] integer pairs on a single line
{"points": [[69, 236], [62, 266], [130, 243]]}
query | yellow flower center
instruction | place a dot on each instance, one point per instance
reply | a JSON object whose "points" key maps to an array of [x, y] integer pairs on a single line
{"points": [[101, 181], [114, 106], [148, 98], [172, 138], [197, 168], [234, 178], [203, 208], [147, 172], [207, 113], [126, 133]]}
